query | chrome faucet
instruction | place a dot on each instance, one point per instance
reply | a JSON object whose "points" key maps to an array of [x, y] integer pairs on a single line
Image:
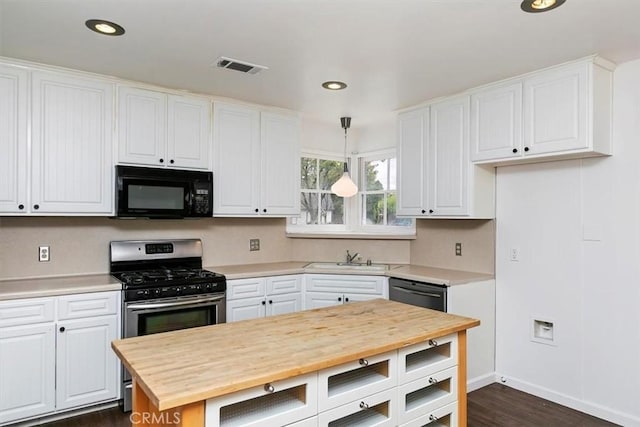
{"points": [[350, 258]]}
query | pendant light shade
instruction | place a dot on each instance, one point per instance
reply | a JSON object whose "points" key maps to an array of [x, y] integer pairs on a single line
{"points": [[345, 187]]}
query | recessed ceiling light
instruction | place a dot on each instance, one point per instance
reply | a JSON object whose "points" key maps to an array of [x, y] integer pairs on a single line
{"points": [[104, 27], [535, 6], [334, 85]]}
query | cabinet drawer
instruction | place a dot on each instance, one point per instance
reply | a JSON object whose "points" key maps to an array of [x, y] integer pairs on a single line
{"points": [[245, 288], [26, 311], [427, 394], [444, 416], [274, 404], [309, 422], [345, 284], [87, 305], [423, 359], [284, 284], [355, 380], [375, 410]]}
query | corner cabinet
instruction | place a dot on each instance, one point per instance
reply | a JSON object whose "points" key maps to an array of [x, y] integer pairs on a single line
{"points": [[13, 134], [163, 130], [256, 162], [55, 354], [325, 290], [558, 113], [71, 145], [435, 176]]}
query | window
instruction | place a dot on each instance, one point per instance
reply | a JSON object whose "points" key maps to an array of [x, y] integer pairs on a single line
{"points": [[371, 211]]}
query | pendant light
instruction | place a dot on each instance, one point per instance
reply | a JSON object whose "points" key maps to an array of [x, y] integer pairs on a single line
{"points": [[345, 187]]}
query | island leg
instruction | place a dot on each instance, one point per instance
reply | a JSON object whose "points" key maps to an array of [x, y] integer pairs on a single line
{"points": [[145, 413], [462, 378]]}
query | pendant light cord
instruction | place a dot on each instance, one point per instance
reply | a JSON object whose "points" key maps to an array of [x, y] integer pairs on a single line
{"points": [[346, 168]]}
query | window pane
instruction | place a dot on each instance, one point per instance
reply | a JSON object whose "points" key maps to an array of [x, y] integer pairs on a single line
{"points": [[309, 207], [331, 209], [308, 173], [375, 175], [391, 213], [374, 209], [330, 172]]}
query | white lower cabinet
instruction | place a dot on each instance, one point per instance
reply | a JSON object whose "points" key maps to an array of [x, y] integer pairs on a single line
{"points": [[446, 416], [427, 394], [273, 404], [55, 353], [263, 296], [324, 290]]}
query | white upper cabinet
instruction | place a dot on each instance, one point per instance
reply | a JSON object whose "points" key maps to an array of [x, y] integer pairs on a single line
{"points": [[435, 176], [558, 113], [13, 139], [496, 122], [71, 145], [256, 162], [280, 167], [159, 129]]}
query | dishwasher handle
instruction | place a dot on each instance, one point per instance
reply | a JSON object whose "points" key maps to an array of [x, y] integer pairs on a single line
{"points": [[413, 291]]}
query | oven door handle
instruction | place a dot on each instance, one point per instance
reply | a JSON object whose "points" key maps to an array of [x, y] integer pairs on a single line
{"points": [[173, 304], [411, 291]]}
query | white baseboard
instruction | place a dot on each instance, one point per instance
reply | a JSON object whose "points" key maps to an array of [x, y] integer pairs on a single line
{"points": [[590, 408], [481, 381]]}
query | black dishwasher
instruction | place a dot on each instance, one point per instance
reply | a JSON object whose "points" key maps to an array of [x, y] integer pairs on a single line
{"points": [[427, 295]]}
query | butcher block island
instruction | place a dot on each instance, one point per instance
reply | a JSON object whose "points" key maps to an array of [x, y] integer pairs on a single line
{"points": [[372, 363]]}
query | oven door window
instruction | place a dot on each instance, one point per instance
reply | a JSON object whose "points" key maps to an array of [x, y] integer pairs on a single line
{"points": [[165, 321], [155, 197]]}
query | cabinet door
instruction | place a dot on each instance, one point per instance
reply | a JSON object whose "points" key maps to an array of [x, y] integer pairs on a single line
{"points": [[13, 137], [245, 309], [321, 299], [496, 123], [284, 284], [449, 157], [280, 165], [555, 110], [236, 159], [142, 126], [72, 140], [412, 156], [86, 368], [189, 127], [27, 371], [285, 303]]}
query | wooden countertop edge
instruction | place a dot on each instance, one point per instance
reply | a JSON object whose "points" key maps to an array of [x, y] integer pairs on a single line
{"points": [[169, 403]]}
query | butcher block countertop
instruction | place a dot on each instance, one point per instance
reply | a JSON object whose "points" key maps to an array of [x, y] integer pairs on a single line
{"points": [[181, 367]]}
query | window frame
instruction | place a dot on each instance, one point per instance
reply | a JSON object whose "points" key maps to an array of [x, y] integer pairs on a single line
{"points": [[353, 208]]}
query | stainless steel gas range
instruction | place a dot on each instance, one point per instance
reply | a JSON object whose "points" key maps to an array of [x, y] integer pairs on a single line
{"points": [[164, 289]]}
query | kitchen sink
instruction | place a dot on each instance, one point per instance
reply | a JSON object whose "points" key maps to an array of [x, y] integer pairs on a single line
{"points": [[343, 266]]}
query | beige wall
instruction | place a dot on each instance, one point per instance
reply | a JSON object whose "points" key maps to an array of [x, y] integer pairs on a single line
{"points": [[81, 245], [435, 245]]}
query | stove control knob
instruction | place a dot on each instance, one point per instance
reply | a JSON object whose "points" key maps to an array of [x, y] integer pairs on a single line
{"points": [[157, 292], [178, 289]]}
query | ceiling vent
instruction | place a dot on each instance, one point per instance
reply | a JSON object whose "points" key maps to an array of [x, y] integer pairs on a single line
{"points": [[243, 67]]}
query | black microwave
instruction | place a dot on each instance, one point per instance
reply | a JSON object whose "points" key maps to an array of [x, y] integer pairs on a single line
{"points": [[163, 193]]}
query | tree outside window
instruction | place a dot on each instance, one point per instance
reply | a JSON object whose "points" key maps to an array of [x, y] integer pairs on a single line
{"points": [[378, 194], [319, 205]]}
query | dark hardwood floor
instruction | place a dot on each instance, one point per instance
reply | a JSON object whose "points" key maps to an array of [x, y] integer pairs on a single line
{"points": [[492, 406]]}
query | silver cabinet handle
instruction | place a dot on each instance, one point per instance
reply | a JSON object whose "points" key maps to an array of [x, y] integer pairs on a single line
{"points": [[364, 405], [363, 362], [269, 388], [433, 380], [433, 343], [433, 418]]}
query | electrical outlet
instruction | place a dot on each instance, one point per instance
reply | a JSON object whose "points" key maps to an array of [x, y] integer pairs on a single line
{"points": [[254, 244], [458, 249], [514, 254], [44, 254]]}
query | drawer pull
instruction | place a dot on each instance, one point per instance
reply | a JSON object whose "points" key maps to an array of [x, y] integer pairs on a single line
{"points": [[269, 388], [364, 405], [433, 380], [363, 362], [433, 418], [433, 343]]}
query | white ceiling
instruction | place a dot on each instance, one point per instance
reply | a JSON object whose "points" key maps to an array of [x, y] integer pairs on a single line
{"points": [[391, 53]]}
